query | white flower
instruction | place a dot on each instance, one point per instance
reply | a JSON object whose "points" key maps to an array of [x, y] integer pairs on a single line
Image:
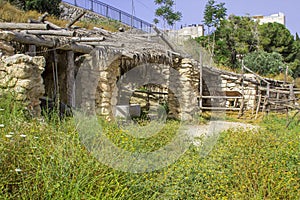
{"points": [[11, 133], [18, 170], [1, 109], [36, 137], [1, 125], [22, 135], [8, 136]]}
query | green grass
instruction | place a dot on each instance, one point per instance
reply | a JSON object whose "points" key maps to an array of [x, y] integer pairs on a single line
{"points": [[243, 165]]}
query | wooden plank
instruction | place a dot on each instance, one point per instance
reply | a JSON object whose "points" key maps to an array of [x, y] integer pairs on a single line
{"points": [[219, 108], [220, 97], [23, 26], [275, 91]]}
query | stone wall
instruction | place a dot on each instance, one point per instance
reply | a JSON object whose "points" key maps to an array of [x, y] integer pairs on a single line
{"points": [[234, 84], [21, 75], [69, 12]]}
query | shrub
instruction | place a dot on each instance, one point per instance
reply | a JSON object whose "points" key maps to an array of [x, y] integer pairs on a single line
{"points": [[50, 6]]}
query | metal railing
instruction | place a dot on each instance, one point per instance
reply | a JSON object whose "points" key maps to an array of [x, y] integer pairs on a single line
{"points": [[112, 13]]}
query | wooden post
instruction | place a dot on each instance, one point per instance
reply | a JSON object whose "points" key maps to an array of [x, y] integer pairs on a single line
{"points": [[266, 101], [57, 95], [70, 79], [200, 81], [292, 95], [258, 106], [31, 50], [277, 98], [241, 112]]}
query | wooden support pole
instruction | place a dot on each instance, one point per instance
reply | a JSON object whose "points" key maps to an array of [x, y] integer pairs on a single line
{"points": [[32, 50], [57, 94], [45, 42], [43, 17], [75, 19], [258, 106], [277, 98], [23, 26], [292, 94], [70, 79], [31, 39], [241, 112], [201, 81], [266, 103]]}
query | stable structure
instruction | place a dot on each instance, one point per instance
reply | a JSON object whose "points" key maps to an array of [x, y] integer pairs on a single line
{"points": [[101, 58], [90, 69]]}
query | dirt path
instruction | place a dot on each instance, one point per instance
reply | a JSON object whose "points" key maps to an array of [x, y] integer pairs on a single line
{"points": [[213, 128]]}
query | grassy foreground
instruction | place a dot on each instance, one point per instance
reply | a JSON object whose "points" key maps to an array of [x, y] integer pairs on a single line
{"points": [[45, 160]]}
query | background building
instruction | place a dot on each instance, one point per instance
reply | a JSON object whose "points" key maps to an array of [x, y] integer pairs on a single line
{"points": [[279, 18]]}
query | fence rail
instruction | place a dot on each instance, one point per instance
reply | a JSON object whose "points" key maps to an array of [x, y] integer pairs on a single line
{"points": [[112, 13]]}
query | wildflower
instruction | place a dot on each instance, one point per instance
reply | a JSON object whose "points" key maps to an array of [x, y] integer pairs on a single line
{"points": [[1, 109], [8, 136], [1, 125], [22, 135], [11, 133], [35, 137], [18, 170]]}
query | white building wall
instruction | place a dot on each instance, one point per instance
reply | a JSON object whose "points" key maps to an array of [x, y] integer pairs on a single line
{"points": [[279, 18]]}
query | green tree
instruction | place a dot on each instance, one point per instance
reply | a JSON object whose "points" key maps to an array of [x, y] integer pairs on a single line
{"points": [[166, 12], [275, 37], [214, 13], [264, 63], [237, 35], [18, 3], [50, 6]]}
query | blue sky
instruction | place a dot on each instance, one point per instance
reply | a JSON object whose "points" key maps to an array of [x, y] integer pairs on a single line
{"points": [[192, 10]]}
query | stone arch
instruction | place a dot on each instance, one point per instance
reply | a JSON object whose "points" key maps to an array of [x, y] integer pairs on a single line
{"points": [[105, 67]]}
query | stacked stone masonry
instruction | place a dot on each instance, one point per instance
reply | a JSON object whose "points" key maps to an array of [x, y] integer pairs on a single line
{"points": [[21, 76]]}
